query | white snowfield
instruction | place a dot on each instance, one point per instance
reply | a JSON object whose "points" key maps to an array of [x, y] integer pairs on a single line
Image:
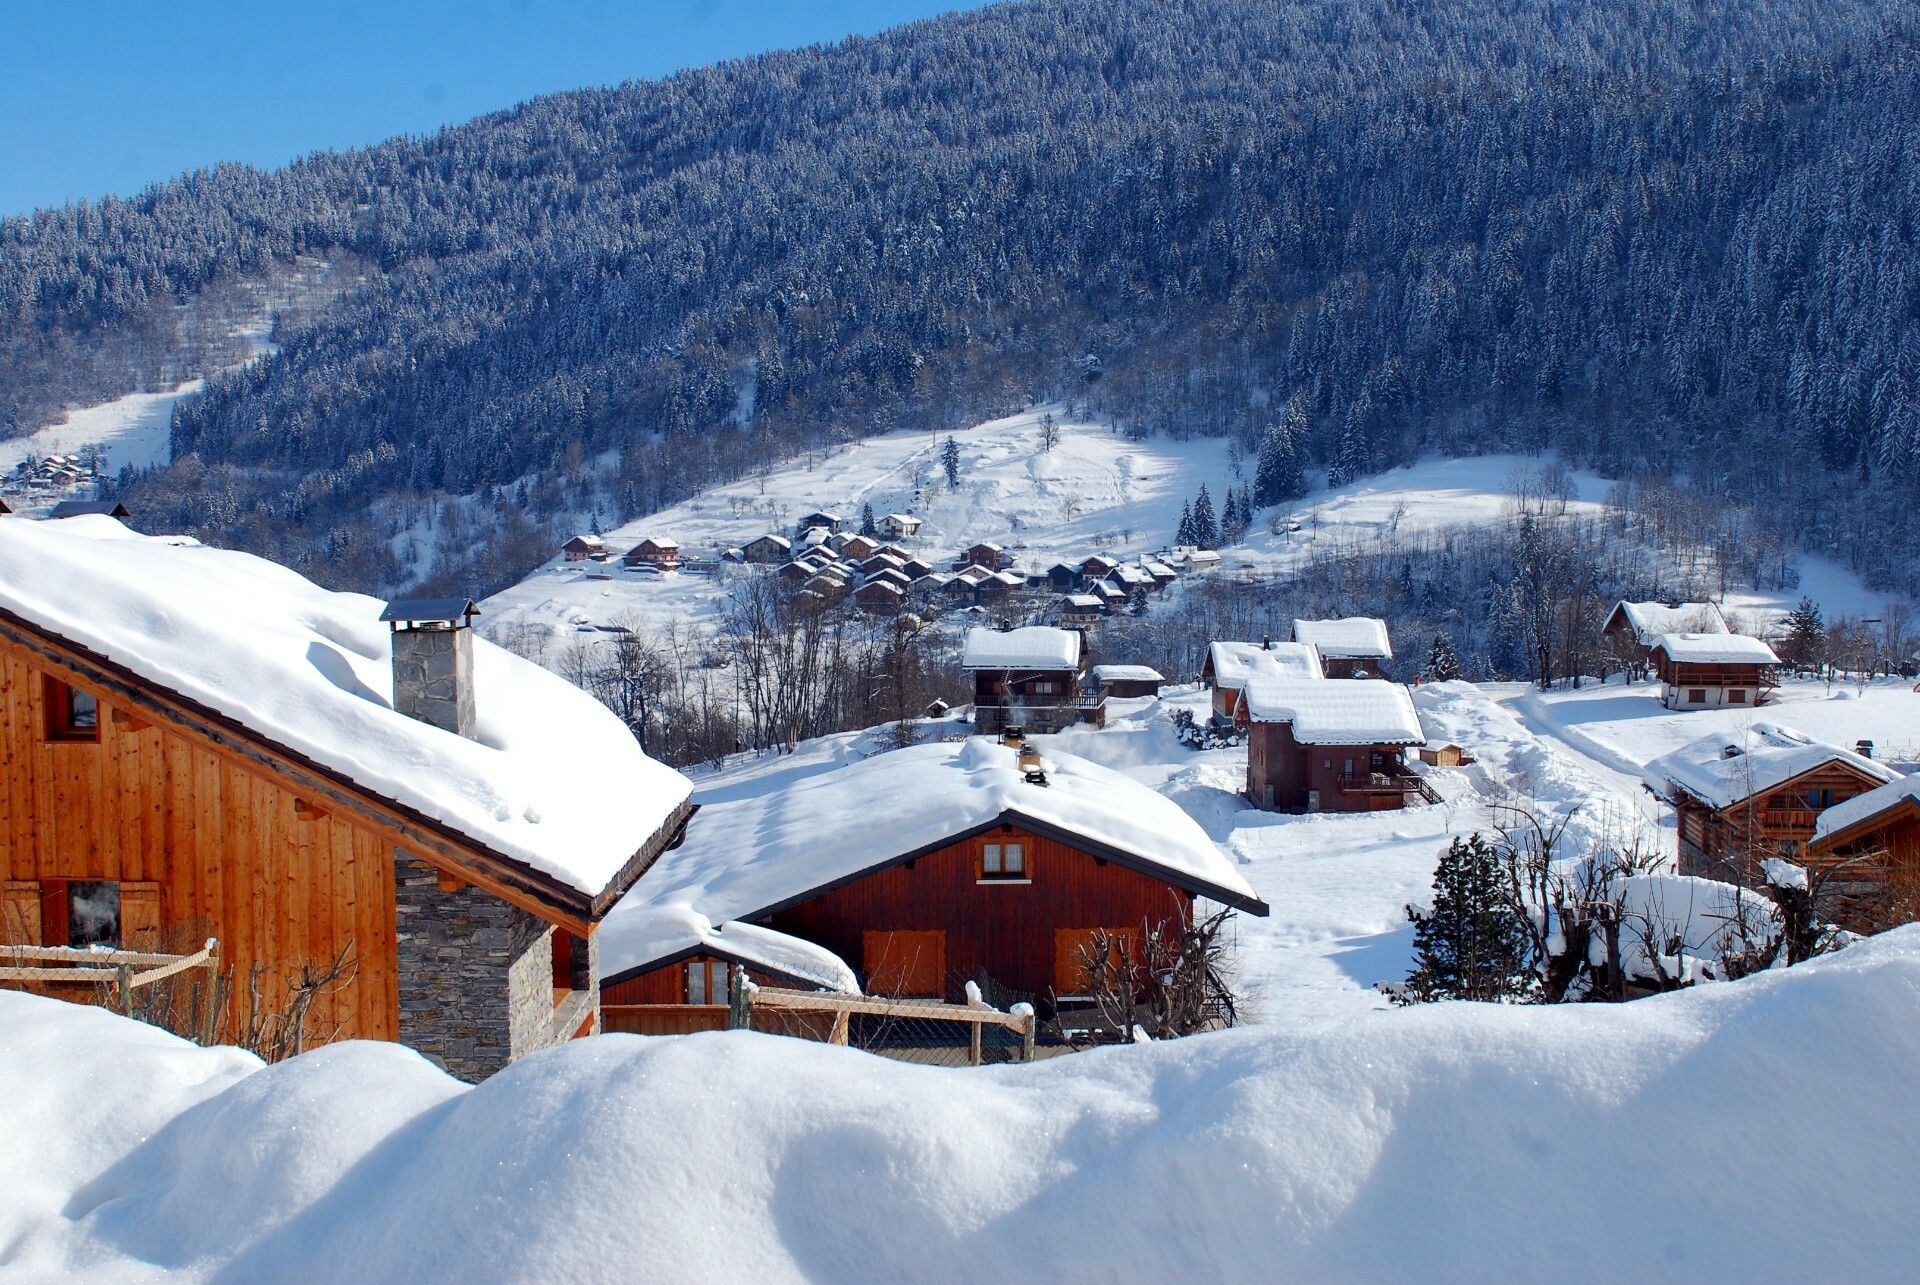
{"points": [[1721, 770], [311, 671], [1716, 649], [1351, 638], [1453, 1142], [1030, 647], [1336, 711], [768, 839]]}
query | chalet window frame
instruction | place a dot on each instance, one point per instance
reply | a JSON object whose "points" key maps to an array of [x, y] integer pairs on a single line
{"points": [[991, 864], [72, 713], [706, 970]]}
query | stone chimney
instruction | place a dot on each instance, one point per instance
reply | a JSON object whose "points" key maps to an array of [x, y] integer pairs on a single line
{"points": [[433, 661]]}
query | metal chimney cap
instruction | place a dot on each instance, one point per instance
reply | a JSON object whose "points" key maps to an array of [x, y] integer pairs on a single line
{"points": [[429, 611]]}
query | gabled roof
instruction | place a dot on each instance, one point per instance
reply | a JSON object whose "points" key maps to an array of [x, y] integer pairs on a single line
{"points": [[303, 675], [1350, 638], [1361, 711], [637, 937], [656, 542], [901, 519], [1729, 767], [1715, 649], [1648, 620], [585, 542], [1031, 647], [1127, 674], [770, 538], [985, 544], [1852, 817], [1233, 663], [1083, 601], [89, 508], [791, 840]]}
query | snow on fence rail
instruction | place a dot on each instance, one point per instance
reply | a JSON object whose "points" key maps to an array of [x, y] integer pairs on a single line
{"points": [[909, 1030], [67, 964]]}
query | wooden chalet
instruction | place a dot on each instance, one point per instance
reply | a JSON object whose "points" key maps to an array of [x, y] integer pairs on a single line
{"points": [[1328, 745], [1081, 609], [767, 550], [1027, 678], [1632, 628], [5, 509], [922, 869], [1745, 796], [583, 547], [899, 526], [1869, 847], [1097, 567], [1353, 647], [879, 596], [197, 743], [1063, 576], [831, 522], [89, 509], [984, 554], [1127, 681], [654, 551], [1709, 671], [1227, 667], [858, 548]]}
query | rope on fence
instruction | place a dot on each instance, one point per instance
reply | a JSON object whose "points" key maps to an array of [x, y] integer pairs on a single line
{"points": [[43, 964], [907, 1029]]}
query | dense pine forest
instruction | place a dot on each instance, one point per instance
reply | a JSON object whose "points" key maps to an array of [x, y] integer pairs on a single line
{"points": [[1665, 237]]}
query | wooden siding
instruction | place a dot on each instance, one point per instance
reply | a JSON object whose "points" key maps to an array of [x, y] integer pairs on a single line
{"points": [[228, 851], [1322, 778], [1005, 930], [1729, 843]]}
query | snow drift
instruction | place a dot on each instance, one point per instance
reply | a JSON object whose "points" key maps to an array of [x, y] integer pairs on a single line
{"points": [[1754, 1130]]}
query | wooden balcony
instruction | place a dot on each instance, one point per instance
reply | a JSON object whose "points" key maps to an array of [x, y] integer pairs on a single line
{"points": [[1380, 783]]}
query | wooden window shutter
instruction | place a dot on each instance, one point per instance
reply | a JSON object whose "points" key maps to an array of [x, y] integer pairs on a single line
{"points": [[140, 916], [20, 913]]}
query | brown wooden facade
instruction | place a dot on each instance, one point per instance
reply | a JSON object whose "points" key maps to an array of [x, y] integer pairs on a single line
{"points": [[1286, 776], [1697, 686], [664, 554], [1036, 700], [1729, 843], [1873, 867]]}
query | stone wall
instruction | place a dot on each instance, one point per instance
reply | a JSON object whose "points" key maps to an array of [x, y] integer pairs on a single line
{"points": [[475, 974]]}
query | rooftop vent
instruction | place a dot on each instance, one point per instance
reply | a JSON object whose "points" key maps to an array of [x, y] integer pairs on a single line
{"points": [[1032, 770], [1863, 748], [433, 661]]}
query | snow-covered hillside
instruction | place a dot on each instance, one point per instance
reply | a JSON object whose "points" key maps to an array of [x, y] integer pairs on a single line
{"points": [[1449, 1142], [1096, 491]]}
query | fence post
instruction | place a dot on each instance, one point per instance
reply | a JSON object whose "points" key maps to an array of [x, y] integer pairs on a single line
{"points": [[1027, 1024], [973, 1044], [841, 1020], [739, 1006], [123, 986]]}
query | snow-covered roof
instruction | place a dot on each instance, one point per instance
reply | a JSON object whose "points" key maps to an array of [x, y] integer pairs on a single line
{"points": [[637, 935], [1360, 711], [1722, 769], [901, 519], [750, 855], [1235, 662], [1083, 600], [658, 542], [1351, 638], [310, 671], [1127, 674], [973, 573], [1030, 647], [1649, 620], [1870, 806], [986, 544], [771, 538], [1159, 570], [1011, 578], [1715, 649]]}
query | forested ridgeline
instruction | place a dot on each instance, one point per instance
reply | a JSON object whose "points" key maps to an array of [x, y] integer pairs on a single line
{"points": [[1658, 236]]}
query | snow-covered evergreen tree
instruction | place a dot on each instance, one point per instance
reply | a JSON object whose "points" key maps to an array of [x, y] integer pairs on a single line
{"points": [[868, 527], [1442, 665], [1471, 945], [1806, 638], [1183, 534], [950, 462], [1206, 528]]}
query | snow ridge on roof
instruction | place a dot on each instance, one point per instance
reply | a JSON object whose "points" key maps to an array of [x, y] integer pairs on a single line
{"points": [[1350, 638], [1715, 649], [1722, 769], [1865, 807], [1649, 620], [635, 936], [1030, 647], [1127, 674], [311, 670], [749, 853], [1336, 711], [1235, 662]]}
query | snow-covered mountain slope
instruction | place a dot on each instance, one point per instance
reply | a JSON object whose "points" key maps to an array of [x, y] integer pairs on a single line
{"points": [[1096, 492], [1447, 1142]]}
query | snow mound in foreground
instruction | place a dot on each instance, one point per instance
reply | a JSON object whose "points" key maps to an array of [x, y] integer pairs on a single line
{"points": [[1457, 1142]]}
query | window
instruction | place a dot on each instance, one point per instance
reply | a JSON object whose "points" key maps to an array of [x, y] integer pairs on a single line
{"points": [[1043, 687], [1737, 696], [93, 913], [1819, 800], [706, 982], [72, 715], [1696, 695], [80, 912], [1003, 860]]}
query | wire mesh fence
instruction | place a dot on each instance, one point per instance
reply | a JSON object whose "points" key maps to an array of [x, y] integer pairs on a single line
{"points": [[924, 1032]]}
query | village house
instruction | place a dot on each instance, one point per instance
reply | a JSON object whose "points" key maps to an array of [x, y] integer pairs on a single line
{"points": [[654, 551], [1127, 681], [899, 526], [984, 554], [767, 550], [815, 537], [1707, 671], [880, 596], [1744, 796], [583, 547], [1080, 609], [1027, 678], [89, 509], [1064, 576], [1163, 575], [919, 871], [1227, 667], [1632, 628], [1097, 567], [1325, 745], [1195, 561], [1869, 848], [1353, 647], [199, 743], [857, 548], [829, 522]]}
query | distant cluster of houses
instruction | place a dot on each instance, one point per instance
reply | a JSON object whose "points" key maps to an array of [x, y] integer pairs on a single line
{"points": [[826, 562], [53, 472]]}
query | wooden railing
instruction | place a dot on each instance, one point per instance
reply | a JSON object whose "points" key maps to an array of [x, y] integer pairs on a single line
{"points": [[63, 965], [747, 997]]}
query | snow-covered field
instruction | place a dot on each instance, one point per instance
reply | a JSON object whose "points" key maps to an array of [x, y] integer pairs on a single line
{"points": [[1759, 1131], [131, 430], [1095, 492]]}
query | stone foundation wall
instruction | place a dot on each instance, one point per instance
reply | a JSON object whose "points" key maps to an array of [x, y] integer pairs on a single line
{"points": [[475, 974]]}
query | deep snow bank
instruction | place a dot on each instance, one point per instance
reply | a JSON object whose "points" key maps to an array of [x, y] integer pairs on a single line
{"points": [[1757, 1130]]}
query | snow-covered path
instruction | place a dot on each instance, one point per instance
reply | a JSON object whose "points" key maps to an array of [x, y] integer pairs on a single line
{"points": [[1617, 771]]}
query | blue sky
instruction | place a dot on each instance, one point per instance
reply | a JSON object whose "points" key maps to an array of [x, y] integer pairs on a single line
{"points": [[101, 96]]}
